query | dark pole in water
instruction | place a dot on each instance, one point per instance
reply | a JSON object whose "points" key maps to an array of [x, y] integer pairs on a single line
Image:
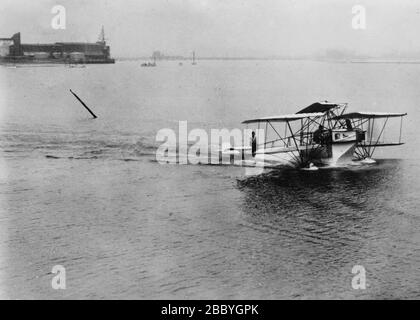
{"points": [[87, 108]]}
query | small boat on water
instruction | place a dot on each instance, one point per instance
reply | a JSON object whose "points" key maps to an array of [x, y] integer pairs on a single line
{"points": [[149, 64]]}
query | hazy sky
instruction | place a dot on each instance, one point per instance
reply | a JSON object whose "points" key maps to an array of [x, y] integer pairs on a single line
{"points": [[221, 27]]}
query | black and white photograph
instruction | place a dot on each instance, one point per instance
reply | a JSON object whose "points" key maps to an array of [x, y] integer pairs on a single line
{"points": [[209, 150]]}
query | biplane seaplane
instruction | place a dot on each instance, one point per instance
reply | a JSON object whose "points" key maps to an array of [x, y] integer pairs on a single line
{"points": [[322, 134]]}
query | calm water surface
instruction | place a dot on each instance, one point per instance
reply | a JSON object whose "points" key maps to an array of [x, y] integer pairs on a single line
{"points": [[89, 195]]}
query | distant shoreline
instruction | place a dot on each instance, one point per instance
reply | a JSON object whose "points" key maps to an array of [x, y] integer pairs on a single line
{"points": [[344, 60]]}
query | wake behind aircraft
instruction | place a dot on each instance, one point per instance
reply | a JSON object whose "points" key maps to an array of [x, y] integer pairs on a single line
{"points": [[322, 134]]}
